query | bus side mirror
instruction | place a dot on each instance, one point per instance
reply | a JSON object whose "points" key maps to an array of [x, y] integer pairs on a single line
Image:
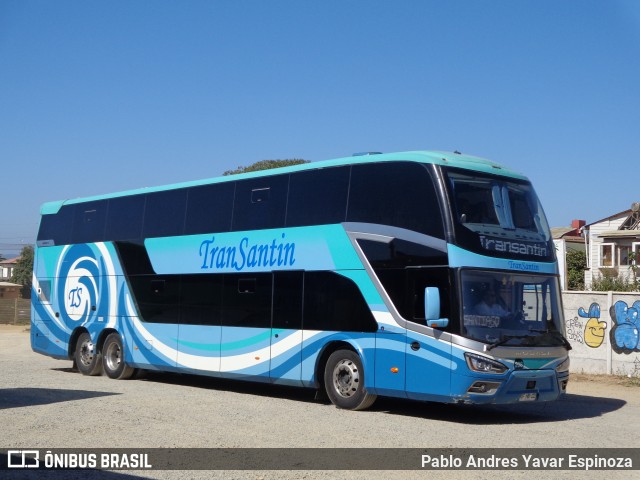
{"points": [[432, 308]]}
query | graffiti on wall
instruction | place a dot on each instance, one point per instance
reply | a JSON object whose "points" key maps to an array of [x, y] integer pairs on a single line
{"points": [[574, 330], [594, 328], [625, 334]]}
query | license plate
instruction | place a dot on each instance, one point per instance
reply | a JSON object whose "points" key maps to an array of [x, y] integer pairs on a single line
{"points": [[528, 397]]}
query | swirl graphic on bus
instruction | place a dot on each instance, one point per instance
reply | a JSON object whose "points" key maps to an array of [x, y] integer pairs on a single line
{"points": [[80, 275]]}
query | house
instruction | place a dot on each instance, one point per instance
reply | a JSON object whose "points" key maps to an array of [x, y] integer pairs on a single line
{"points": [[10, 290], [567, 239], [6, 268], [611, 245]]}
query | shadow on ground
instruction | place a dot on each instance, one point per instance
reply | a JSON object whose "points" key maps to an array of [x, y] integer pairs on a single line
{"points": [[26, 397], [570, 407]]}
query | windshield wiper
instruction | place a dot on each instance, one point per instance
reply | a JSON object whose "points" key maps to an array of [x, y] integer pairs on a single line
{"points": [[505, 339], [565, 342]]}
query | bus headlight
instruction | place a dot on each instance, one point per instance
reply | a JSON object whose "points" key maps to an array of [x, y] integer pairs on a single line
{"points": [[478, 363], [564, 366]]}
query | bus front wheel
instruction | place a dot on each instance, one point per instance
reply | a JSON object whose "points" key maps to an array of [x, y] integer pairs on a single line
{"points": [[113, 359], [86, 356], [344, 381]]}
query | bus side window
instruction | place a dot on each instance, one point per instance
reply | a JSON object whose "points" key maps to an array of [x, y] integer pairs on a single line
{"points": [[260, 203], [124, 218], [157, 297], [287, 300], [57, 227], [89, 222], [318, 197], [164, 213], [201, 299], [246, 300], [401, 194], [333, 302], [209, 208]]}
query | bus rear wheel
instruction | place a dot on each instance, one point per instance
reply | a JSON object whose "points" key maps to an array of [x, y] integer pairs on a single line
{"points": [[344, 381], [113, 359], [86, 356]]}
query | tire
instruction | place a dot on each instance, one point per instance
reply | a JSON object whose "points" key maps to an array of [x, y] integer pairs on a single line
{"points": [[86, 356], [113, 359], [344, 381]]}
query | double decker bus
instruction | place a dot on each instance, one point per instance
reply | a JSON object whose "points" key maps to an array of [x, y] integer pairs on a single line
{"points": [[422, 275]]}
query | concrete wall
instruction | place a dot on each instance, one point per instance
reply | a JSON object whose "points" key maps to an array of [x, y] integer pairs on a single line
{"points": [[604, 331]]}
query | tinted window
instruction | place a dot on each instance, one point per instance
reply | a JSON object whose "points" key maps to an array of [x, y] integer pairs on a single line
{"points": [[498, 216], [405, 288], [400, 253], [260, 203], [398, 194], [247, 300], [57, 227], [124, 219], [287, 300], [209, 208], [89, 221], [164, 213], [201, 299], [134, 258], [333, 302], [394, 281], [318, 197], [158, 297]]}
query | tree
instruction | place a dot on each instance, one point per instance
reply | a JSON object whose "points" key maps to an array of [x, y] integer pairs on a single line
{"points": [[23, 271], [576, 265], [266, 165]]}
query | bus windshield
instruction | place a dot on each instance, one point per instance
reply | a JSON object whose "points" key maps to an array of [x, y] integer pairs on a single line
{"points": [[499, 216], [512, 309]]}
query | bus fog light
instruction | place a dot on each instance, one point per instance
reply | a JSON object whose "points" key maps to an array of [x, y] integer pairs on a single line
{"points": [[478, 363], [486, 388]]}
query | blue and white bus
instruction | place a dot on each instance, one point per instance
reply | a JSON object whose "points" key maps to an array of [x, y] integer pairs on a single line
{"points": [[421, 275]]}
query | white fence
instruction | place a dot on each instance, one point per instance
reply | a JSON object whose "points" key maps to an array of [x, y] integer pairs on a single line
{"points": [[604, 331]]}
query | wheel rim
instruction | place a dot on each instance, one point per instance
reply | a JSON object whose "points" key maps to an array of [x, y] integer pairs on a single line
{"points": [[113, 356], [346, 378], [87, 352]]}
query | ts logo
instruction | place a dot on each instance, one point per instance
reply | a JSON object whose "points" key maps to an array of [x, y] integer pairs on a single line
{"points": [[23, 458], [75, 297]]}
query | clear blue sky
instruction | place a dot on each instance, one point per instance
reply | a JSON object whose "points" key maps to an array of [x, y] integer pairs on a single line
{"points": [[97, 97]]}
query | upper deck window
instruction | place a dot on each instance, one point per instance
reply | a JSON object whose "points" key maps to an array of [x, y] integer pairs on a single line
{"points": [[498, 216], [401, 194]]}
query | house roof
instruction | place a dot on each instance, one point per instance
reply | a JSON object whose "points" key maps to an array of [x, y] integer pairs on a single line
{"points": [[611, 217], [559, 232], [566, 233], [10, 261]]}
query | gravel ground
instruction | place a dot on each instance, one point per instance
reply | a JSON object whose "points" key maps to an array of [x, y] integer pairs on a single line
{"points": [[44, 404]]}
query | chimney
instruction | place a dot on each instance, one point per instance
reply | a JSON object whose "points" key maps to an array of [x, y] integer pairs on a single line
{"points": [[576, 224]]}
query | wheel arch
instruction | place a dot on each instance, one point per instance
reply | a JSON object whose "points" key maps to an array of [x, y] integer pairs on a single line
{"points": [[73, 341], [325, 353], [102, 336]]}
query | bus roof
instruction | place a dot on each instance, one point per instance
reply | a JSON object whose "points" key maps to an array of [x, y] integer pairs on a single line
{"points": [[456, 159]]}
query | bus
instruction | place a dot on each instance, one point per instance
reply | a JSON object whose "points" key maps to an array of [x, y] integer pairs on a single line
{"points": [[422, 275]]}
